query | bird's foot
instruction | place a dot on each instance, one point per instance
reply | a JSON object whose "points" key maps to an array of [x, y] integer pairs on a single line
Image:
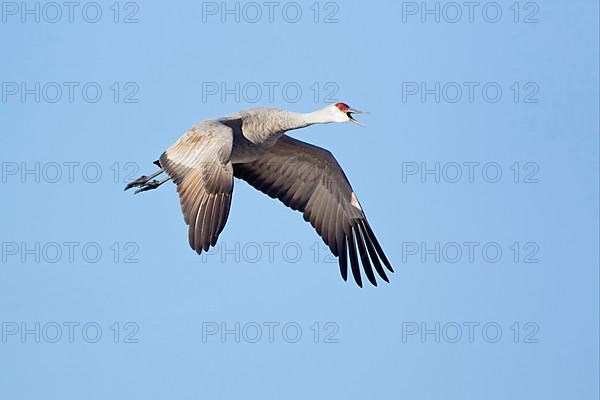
{"points": [[142, 180], [149, 186]]}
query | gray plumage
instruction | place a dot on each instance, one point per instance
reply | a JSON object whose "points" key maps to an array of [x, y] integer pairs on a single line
{"points": [[251, 145]]}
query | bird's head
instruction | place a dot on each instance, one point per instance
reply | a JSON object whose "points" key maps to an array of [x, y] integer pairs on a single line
{"points": [[342, 112]]}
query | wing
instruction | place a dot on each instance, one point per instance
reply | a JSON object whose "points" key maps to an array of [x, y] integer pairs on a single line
{"points": [[199, 164], [307, 178]]}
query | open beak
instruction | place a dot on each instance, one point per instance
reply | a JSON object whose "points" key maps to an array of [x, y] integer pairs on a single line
{"points": [[355, 111]]}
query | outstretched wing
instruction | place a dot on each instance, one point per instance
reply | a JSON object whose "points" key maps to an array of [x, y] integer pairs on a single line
{"points": [[307, 178], [199, 164]]}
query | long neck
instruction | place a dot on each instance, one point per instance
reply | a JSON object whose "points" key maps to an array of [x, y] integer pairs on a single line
{"points": [[322, 116], [269, 125]]}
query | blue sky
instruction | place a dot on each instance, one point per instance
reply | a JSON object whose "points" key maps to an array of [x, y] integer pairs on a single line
{"points": [[478, 170]]}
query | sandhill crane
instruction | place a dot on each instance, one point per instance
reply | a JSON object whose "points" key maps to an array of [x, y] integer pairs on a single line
{"points": [[251, 145]]}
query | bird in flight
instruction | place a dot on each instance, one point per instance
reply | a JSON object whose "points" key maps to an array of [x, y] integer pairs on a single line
{"points": [[252, 145]]}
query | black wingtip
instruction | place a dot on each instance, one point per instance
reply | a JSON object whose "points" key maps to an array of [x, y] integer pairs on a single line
{"points": [[360, 241], [372, 252], [343, 260], [371, 234]]}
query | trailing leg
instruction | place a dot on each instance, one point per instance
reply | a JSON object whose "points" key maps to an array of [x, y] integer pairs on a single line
{"points": [[143, 180]]}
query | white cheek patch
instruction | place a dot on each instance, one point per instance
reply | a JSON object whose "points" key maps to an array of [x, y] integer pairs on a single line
{"points": [[354, 201]]}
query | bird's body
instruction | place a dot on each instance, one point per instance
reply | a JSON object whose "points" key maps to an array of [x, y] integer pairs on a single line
{"points": [[256, 130], [252, 145]]}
